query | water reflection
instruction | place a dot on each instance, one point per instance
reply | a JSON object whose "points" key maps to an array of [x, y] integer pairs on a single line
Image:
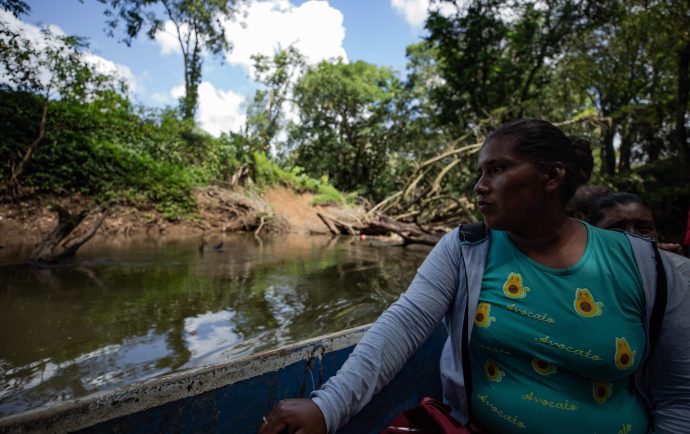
{"points": [[124, 312]]}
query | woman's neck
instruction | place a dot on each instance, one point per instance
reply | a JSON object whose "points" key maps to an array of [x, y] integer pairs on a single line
{"points": [[556, 243]]}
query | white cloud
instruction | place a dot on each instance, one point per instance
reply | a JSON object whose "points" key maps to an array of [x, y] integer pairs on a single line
{"points": [[314, 28], [167, 38], [161, 98], [101, 64], [105, 66], [28, 31], [262, 27], [219, 111], [177, 92], [416, 11]]}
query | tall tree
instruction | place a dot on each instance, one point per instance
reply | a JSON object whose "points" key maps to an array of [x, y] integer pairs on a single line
{"points": [[348, 124], [679, 13], [265, 114], [199, 27]]}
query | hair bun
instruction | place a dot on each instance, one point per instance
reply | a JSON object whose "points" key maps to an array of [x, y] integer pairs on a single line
{"points": [[583, 155]]}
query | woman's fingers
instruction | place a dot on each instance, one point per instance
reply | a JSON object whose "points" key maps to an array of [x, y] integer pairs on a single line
{"points": [[272, 425], [294, 416]]}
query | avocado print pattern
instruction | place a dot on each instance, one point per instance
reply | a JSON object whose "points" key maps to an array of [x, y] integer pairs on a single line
{"points": [[601, 391], [492, 371], [585, 305], [482, 317], [513, 287], [543, 368], [625, 357]]}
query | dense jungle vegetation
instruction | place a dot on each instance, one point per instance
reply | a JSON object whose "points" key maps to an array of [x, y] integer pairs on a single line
{"points": [[612, 72]]}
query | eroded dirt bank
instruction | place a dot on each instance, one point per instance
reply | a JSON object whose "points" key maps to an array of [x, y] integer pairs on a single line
{"points": [[219, 211]]}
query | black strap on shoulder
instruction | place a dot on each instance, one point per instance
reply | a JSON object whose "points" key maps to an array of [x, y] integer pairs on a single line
{"points": [[659, 301], [466, 372], [472, 232]]}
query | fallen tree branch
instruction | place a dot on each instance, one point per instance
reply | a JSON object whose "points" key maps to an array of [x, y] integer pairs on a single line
{"points": [[331, 227], [261, 224], [58, 245]]}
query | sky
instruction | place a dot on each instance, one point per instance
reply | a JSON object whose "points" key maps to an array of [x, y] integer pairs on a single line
{"points": [[375, 31]]}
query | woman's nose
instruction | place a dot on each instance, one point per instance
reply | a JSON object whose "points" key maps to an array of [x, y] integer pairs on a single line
{"points": [[480, 187]]}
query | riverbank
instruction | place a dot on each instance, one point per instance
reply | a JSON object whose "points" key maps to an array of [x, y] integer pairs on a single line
{"points": [[218, 212]]}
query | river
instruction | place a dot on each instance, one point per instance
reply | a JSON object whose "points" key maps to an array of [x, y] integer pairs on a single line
{"points": [[133, 309]]}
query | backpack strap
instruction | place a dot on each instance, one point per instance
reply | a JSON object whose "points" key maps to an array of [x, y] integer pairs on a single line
{"points": [[660, 300], [472, 232], [466, 369]]}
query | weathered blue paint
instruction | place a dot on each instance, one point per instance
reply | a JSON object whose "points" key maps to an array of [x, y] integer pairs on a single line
{"points": [[232, 398]]}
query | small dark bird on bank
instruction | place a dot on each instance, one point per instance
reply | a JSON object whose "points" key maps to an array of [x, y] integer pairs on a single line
{"points": [[204, 247]]}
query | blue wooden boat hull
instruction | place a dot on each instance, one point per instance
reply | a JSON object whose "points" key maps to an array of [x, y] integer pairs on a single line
{"points": [[232, 397]]}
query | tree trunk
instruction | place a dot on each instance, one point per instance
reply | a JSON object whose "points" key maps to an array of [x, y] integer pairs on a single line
{"points": [[625, 154], [681, 108], [12, 186], [608, 155]]}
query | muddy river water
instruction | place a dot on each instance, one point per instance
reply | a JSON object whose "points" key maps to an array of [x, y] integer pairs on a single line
{"points": [[135, 309]]}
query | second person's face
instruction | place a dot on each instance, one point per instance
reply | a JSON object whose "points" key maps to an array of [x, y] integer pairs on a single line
{"points": [[630, 217], [510, 190]]}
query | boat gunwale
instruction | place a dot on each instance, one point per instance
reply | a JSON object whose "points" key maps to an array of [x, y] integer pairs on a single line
{"points": [[89, 410]]}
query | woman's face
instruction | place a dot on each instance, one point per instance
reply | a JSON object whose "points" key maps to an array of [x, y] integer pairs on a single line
{"points": [[630, 217], [510, 190]]}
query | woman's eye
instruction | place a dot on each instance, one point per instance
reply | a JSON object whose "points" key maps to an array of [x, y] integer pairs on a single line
{"points": [[497, 169], [646, 231]]}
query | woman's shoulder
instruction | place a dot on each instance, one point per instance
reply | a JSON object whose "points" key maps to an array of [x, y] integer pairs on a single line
{"points": [[615, 240], [607, 234]]}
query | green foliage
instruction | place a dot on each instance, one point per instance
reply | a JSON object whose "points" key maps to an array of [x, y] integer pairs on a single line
{"points": [[51, 66], [107, 149], [616, 71], [265, 114], [267, 172], [16, 7], [348, 125], [329, 195], [662, 185]]}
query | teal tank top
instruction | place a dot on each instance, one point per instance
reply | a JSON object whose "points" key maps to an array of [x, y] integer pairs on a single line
{"points": [[554, 350]]}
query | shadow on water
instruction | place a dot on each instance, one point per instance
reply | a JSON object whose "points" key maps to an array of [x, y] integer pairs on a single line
{"points": [[127, 311]]}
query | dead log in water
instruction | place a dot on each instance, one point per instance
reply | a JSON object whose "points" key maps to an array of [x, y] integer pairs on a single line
{"points": [[64, 241], [411, 233]]}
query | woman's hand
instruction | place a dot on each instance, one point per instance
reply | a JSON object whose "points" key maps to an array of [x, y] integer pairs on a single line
{"points": [[294, 416], [671, 247]]}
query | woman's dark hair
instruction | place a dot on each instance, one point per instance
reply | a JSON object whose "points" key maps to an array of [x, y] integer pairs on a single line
{"points": [[596, 210], [584, 198], [545, 144]]}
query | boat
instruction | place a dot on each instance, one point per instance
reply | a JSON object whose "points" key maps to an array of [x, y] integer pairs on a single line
{"points": [[232, 397]]}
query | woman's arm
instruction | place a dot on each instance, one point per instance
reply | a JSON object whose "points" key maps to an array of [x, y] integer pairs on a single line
{"points": [[384, 349], [669, 365]]}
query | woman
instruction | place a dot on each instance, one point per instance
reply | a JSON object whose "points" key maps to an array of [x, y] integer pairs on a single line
{"points": [[627, 212], [630, 213], [558, 342]]}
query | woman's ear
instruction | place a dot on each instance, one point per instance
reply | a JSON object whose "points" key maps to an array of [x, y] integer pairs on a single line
{"points": [[555, 176]]}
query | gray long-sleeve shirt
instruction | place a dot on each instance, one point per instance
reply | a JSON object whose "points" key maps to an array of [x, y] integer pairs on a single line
{"points": [[450, 277]]}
